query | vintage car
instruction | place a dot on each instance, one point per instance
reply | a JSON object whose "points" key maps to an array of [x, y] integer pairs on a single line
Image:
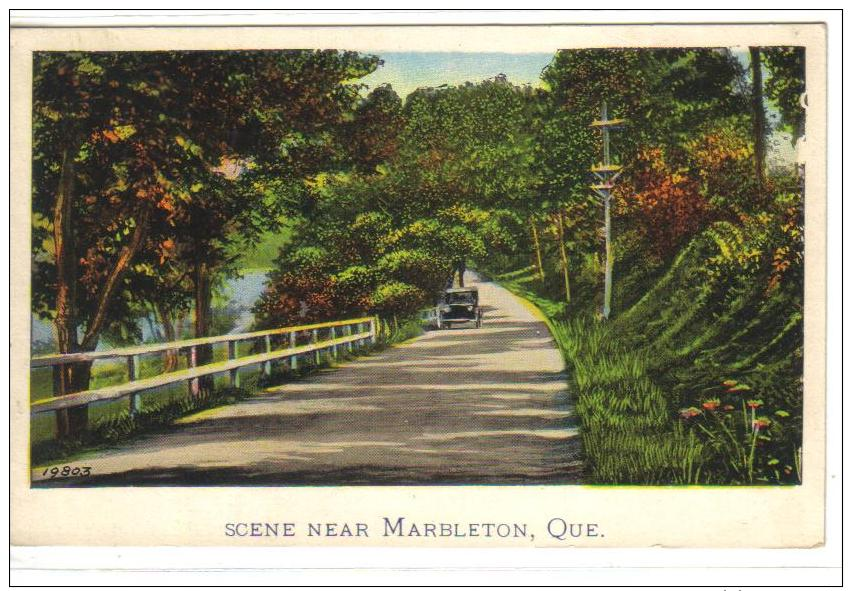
{"points": [[458, 305]]}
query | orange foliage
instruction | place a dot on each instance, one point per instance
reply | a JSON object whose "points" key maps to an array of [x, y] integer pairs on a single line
{"points": [[297, 298], [789, 255], [666, 204]]}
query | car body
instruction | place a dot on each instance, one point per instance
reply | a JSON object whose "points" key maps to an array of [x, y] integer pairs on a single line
{"points": [[458, 305]]}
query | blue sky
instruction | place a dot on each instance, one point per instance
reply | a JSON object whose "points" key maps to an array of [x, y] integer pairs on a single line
{"points": [[410, 70]]}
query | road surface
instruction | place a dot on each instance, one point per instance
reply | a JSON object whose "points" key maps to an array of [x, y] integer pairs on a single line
{"points": [[457, 406]]}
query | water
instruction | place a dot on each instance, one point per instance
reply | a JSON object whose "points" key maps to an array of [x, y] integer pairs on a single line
{"points": [[240, 294], [243, 293]]}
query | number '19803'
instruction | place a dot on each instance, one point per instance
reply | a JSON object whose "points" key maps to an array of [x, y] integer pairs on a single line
{"points": [[67, 471]]}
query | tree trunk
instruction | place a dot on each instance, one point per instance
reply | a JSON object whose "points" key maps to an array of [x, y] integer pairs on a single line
{"points": [[156, 334], [758, 120], [75, 377], [72, 377], [461, 269], [170, 358], [179, 326], [65, 320], [114, 278], [203, 300], [537, 245], [563, 255]]}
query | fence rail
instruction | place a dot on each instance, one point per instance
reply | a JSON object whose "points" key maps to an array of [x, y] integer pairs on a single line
{"points": [[365, 329]]}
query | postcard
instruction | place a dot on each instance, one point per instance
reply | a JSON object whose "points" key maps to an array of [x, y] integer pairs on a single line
{"points": [[431, 286]]}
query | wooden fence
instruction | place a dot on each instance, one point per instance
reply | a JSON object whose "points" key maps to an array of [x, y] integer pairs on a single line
{"points": [[343, 333]]}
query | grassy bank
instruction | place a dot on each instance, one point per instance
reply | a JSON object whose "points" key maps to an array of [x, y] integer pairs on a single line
{"points": [[696, 382]]}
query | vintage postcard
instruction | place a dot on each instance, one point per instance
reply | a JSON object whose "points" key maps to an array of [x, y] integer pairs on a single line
{"points": [[432, 286]]}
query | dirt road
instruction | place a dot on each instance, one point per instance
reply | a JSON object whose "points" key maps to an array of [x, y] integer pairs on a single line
{"points": [[463, 405]]}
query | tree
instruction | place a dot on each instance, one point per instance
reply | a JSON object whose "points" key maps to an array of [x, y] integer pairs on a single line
{"points": [[758, 119], [396, 230], [372, 137], [102, 170], [468, 149], [664, 204], [786, 85], [666, 95], [131, 150]]}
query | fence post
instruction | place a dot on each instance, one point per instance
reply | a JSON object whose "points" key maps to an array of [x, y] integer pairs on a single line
{"points": [[192, 361], [133, 375], [315, 340], [333, 347], [373, 337], [267, 367], [234, 373], [294, 360], [347, 330]]}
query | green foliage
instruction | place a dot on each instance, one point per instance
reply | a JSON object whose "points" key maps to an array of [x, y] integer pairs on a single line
{"points": [[664, 94], [170, 166], [468, 143], [446, 192], [397, 299], [372, 137], [661, 388], [262, 255], [414, 267], [720, 157], [353, 287]]}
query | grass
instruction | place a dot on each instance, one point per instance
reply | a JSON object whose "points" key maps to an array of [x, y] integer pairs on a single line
{"points": [[393, 331], [625, 419], [263, 254], [693, 381]]}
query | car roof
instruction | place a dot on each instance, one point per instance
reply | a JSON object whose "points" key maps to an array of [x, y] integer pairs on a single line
{"points": [[460, 289]]}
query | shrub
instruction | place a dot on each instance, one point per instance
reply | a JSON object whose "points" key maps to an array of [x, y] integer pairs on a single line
{"points": [[352, 288], [396, 299]]}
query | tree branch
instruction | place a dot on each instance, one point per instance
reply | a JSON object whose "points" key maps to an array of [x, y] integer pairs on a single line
{"points": [[126, 254]]}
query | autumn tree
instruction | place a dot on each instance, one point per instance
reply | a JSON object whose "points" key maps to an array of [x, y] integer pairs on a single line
{"points": [[104, 167], [666, 96], [131, 151]]}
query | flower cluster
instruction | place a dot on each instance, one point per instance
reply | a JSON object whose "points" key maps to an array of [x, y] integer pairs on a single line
{"points": [[742, 440]]}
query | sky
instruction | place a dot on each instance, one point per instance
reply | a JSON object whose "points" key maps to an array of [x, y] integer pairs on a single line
{"points": [[405, 72]]}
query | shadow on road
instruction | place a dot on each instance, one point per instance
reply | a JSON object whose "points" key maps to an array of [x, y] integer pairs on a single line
{"points": [[457, 406]]}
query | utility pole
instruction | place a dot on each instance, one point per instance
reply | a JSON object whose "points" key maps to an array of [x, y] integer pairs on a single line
{"points": [[606, 173]]}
